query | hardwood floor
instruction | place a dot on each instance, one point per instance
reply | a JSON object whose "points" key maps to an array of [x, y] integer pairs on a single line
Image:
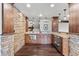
{"points": [[37, 50]]}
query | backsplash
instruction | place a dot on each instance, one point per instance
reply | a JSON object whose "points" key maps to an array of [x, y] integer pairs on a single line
{"points": [[40, 24], [42, 27]]}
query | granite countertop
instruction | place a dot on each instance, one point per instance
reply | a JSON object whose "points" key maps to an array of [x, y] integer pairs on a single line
{"points": [[32, 33], [38, 33], [64, 35]]}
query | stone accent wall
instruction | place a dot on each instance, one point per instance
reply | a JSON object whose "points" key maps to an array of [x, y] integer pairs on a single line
{"points": [[74, 45], [18, 41], [10, 43], [19, 27], [7, 45]]}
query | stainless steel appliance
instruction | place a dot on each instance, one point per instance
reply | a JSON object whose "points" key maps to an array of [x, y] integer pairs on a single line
{"points": [[58, 43]]}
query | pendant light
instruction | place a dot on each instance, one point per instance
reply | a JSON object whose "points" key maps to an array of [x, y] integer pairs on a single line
{"points": [[59, 17], [65, 18]]}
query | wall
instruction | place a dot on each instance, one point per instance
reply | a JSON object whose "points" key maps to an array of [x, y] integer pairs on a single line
{"points": [[41, 38], [19, 27]]}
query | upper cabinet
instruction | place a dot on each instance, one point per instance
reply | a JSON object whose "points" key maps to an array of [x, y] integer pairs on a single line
{"points": [[74, 18], [63, 27], [7, 18]]}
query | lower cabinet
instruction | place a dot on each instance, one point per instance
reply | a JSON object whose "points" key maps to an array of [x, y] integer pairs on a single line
{"points": [[38, 38], [58, 43], [65, 46], [61, 44]]}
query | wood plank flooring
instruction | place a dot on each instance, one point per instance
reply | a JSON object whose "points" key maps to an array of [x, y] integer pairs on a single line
{"points": [[37, 50]]}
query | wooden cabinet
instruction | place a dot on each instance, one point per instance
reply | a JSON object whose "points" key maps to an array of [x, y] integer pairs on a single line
{"points": [[55, 24], [7, 18], [60, 41], [57, 42], [74, 18], [26, 18], [65, 46]]}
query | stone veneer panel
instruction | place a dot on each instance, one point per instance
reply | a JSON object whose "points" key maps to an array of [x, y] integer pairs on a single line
{"points": [[18, 41], [74, 45], [7, 45], [19, 27], [11, 43]]}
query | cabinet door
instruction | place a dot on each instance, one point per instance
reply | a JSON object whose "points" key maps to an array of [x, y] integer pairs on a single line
{"points": [[7, 18], [55, 24], [74, 18]]}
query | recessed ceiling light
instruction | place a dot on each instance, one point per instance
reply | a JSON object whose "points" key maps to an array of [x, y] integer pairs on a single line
{"points": [[52, 5], [28, 5], [40, 15]]}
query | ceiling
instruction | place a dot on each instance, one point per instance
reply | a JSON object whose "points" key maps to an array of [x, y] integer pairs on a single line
{"points": [[43, 8]]}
